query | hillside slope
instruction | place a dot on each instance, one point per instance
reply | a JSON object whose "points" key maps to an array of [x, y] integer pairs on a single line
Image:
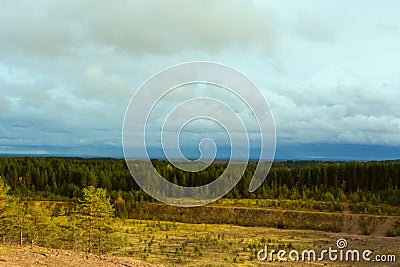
{"points": [[38, 256]]}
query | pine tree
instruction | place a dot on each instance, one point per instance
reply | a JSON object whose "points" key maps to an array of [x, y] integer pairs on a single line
{"points": [[10, 214], [94, 216], [39, 226], [4, 202]]}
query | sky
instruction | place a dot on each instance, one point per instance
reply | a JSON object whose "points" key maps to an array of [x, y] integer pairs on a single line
{"points": [[329, 70]]}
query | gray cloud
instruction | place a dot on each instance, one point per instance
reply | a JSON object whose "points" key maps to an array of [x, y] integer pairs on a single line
{"points": [[59, 29], [69, 68], [34, 27], [167, 27]]}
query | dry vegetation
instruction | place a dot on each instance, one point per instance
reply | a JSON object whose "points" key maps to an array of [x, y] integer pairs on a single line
{"points": [[186, 244]]}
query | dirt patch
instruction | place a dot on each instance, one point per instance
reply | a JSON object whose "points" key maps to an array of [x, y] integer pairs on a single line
{"points": [[382, 229], [24, 256]]}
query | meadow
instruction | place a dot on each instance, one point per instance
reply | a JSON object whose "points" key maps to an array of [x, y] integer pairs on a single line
{"points": [[187, 244]]}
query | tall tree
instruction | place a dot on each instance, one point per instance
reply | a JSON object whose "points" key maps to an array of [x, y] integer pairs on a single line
{"points": [[94, 215], [10, 214], [39, 226]]}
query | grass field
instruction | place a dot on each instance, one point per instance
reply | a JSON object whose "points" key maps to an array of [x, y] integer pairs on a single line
{"points": [[231, 232], [186, 244]]}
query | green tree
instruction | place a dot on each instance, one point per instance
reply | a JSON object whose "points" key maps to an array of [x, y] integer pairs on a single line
{"points": [[10, 214], [39, 226], [4, 205], [94, 216]]}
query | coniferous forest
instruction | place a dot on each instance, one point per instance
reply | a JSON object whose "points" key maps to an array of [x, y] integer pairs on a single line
{"points": [[71, 202], [33, 178]]}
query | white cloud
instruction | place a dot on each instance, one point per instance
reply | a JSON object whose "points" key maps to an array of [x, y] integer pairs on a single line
{"points": [[313, 29], [329, 70], [333, 106], [97, 85]]}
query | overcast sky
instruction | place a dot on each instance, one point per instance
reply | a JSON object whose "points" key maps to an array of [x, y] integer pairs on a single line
{"points": [[329, 69]]}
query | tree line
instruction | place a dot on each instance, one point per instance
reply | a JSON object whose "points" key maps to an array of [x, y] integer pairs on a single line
{"points": [[65, 178]]}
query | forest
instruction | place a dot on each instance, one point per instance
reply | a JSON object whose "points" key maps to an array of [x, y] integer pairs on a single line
{"points": [[63, 179], [70, 202]]}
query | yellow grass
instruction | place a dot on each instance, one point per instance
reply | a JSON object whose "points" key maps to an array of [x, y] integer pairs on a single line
{"points": [[185, 244]]}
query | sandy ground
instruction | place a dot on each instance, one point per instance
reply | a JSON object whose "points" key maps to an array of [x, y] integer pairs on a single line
{"points": [[25, 256]]}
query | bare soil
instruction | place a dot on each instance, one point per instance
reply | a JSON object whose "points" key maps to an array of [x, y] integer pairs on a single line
{"points": [[38, 256]]}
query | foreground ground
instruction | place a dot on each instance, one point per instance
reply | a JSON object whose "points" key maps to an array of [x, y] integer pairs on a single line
{"points": [[25, 256], [148, 243]]}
